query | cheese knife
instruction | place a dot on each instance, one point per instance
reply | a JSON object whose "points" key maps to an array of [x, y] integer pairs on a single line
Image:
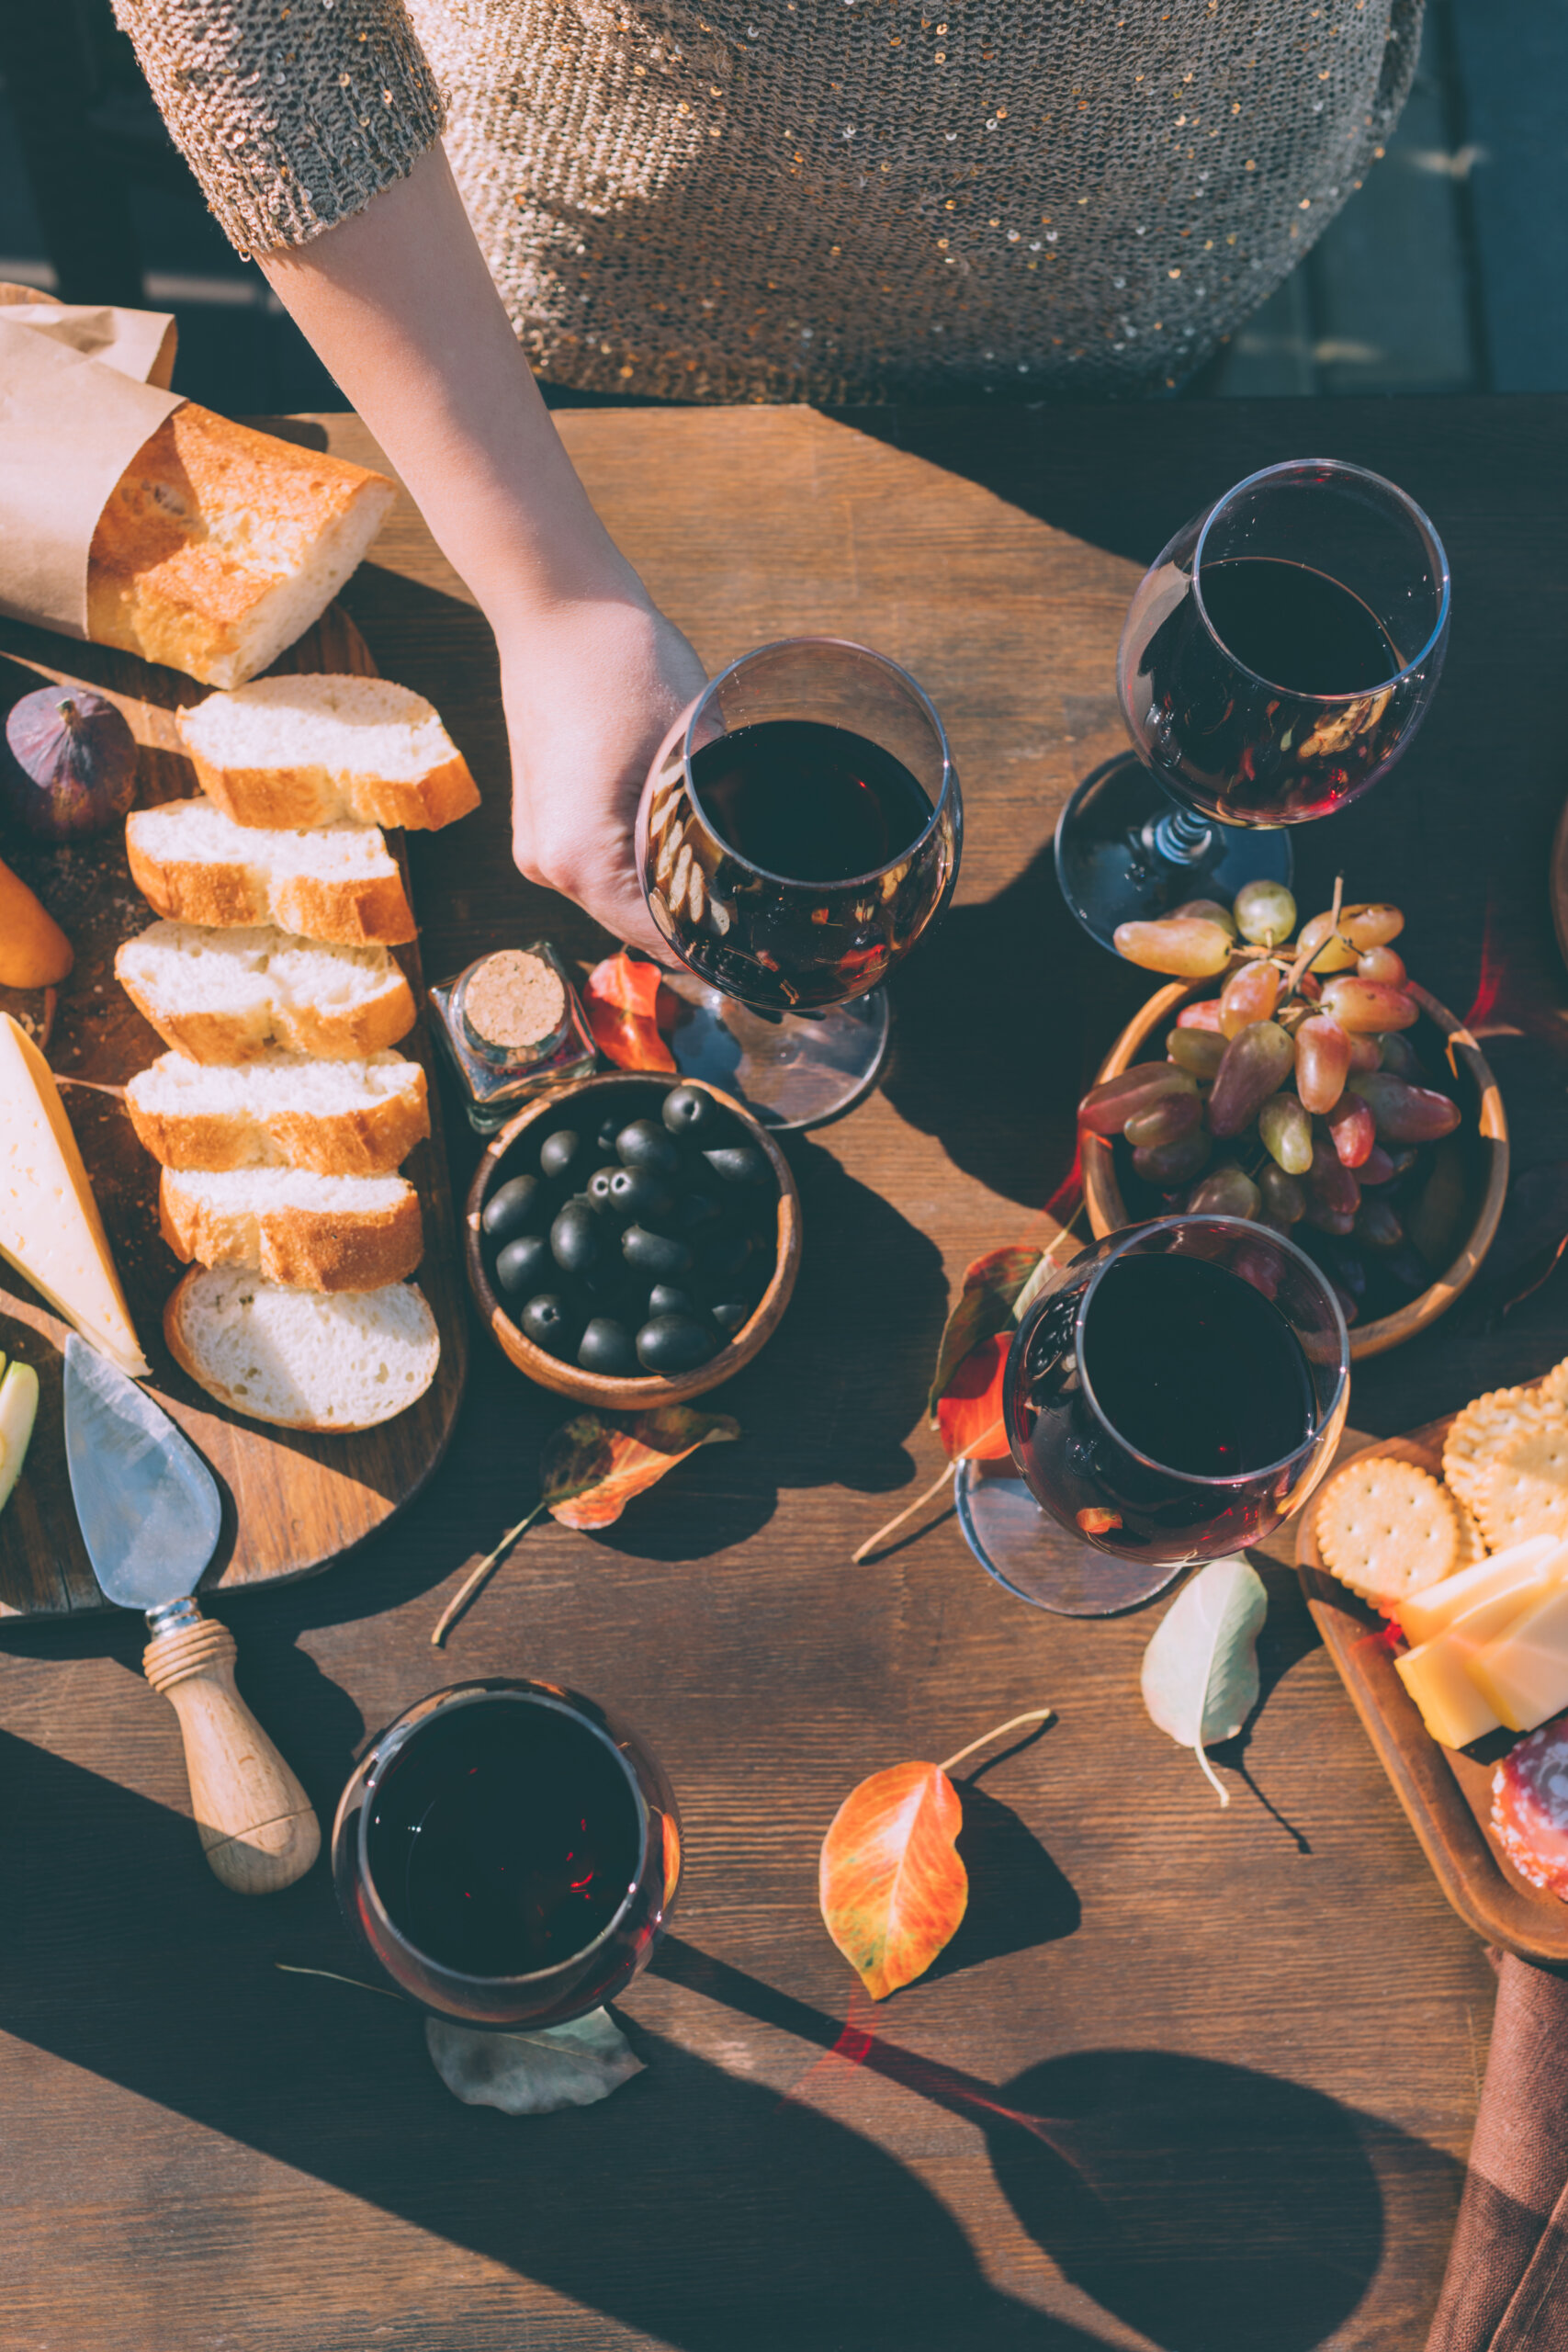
{"points": [[151, 1513]]}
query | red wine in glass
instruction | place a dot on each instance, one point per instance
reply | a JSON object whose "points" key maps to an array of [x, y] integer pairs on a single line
{"points": [[508, 1854], [1170, 1396]]}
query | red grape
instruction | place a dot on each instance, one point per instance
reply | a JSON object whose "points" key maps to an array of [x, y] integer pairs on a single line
{"points": [[1376, 1169], [1205, 1014], [1106, 1108], [1353, 1132], [1284, 1203], [1366, 1005], [1256, 1064], [1330, 1184], [1378, 1225], [1370, 925], [1172, 1117], [1185, 946], [1249, 995], [1322, 1062], [1384, 964], [1404, 1114], [1164, 1164]]}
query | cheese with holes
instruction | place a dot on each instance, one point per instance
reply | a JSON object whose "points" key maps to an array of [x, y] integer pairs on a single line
{"points": [[1438, 1678], [1524, 1673], [1541, 1560], [50, 1227]]}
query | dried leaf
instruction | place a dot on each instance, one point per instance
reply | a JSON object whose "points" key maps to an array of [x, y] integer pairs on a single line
{"points": [[892, 1887], [620, 997], [983, 1307], [533, 2072], [1199, 1672], [593, 1467], [970, 1416]]}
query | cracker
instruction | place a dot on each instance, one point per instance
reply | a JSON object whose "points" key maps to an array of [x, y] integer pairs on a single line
{"points": [[1552, 1388], [1524, 1491], [1387, 1529], [1479, 1433]]}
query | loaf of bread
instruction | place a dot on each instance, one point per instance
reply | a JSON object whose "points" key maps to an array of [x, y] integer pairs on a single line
{"points": [[302, 1358], [220, 546], [293, 1226], [339, 882], [228, 996], [280, 1110], [320, 749]]}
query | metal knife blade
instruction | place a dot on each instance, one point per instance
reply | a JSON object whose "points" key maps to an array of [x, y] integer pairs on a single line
{"points": [[149, 1505]]}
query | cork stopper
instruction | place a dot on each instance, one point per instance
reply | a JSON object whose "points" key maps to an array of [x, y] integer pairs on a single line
{"points": [[514, 999]]}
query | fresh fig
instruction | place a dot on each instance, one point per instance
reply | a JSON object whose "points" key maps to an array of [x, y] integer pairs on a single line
{"points": [[71, 767]]}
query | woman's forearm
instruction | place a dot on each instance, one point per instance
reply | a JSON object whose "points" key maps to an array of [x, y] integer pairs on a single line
{"points": [[399, 305]]}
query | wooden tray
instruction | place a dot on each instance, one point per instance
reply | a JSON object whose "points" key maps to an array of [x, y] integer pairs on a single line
{"points": [[1446, 1792], [291, 1502]]}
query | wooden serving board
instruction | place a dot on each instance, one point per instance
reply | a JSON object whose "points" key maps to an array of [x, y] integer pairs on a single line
{"points": [[292, 1502], [1446, 1792]]}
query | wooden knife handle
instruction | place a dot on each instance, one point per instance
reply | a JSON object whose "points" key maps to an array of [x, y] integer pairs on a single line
{"points": [[256, 1823]]}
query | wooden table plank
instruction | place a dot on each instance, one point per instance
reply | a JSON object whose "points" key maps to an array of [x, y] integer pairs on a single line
{"points": [[1255, 2035]]}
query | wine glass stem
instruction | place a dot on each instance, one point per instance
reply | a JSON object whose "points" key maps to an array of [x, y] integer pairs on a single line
{"points": [[1180, 838]]}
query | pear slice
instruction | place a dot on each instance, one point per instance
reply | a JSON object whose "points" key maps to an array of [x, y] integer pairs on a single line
{"points": [[18, 1410]]}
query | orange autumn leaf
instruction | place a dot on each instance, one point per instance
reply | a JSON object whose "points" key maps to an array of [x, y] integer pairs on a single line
{"points": [[892, 1887], [969, 1416], [593, 1467], [620, 997], [984, 1306]]}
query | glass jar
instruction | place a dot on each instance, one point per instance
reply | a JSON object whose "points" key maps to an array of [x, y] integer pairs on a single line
{"points": [[511, 1025]]}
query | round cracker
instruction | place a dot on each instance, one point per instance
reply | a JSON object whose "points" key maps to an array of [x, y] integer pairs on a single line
{"points": [[1524, 1491], [1552, 1386], [1480, 1432], [1387, 1529]]}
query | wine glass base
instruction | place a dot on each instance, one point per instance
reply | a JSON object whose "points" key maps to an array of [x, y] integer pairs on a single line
{"points": [[790, 1069], [1033, 1558], [1114, 853]]}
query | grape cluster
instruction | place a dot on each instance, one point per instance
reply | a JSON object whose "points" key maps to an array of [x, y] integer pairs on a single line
{"points": [[1294, 1096]]}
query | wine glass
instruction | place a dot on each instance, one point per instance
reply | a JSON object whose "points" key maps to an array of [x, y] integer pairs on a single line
{"points": [[1277, 658], [800, 829], [1172, 1395], [508, 1854]]}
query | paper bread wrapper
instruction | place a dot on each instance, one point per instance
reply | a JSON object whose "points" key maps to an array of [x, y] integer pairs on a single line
{"points": [[139, 342], [70, 424]]}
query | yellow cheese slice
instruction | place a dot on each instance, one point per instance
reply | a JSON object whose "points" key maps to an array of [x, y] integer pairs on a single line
{"points": [[1425, 1614], [1524, 1673], [1451, 1706], [50, 1227]]}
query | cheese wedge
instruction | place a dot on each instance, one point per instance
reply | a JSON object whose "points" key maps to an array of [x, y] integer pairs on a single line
{"points": [[1438, 1672], [1524, 1673], [50, 1227], [1437, 1679], [1543, 1558]]}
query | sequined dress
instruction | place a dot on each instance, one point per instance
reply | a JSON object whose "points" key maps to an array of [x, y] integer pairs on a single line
{"points": [[813, 199]]}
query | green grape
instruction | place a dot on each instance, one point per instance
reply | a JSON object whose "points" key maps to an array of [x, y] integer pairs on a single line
{"points": [[1286, 1133], [1370, 925], [1207, 910], [1329, 952], [1284, 1203], [1363, 1007], [1199, 1051], [1258, 1062], [1189, 948], [1225, 1191], [1163, 1122], [1265, 913]]}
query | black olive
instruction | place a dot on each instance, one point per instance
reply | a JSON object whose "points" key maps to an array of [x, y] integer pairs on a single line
{"points": [[738, 1163], [606, 1346], [655, 1255], [731, 1313], [574, 1237], [644, 1143], [695, 1208], [639, 1193], [724, 1254], [549, 1322], [524, 1264], [600, 1181], [668, 1298], [605, 1140], [558, 1152], [676, 1343], [514, 1208], [690, 1113]]}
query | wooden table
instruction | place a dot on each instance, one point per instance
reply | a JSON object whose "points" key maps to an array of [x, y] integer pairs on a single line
{"points": [[1257, 2034]]}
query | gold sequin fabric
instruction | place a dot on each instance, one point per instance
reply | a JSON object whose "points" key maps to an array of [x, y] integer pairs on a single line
{"points": [[814, 199]]}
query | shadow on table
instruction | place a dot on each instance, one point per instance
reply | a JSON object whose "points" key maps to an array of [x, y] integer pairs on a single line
{"points": [[1218, 2209]]}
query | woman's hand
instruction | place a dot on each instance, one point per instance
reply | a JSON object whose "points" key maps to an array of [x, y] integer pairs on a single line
{"points": [[590, 693]]}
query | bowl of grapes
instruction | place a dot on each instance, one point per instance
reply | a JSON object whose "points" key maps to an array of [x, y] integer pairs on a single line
{"points": [[1300, 1076]]}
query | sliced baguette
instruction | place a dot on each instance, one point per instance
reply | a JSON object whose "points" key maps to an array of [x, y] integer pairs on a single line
{"points": [[219, 545], [228, 996], [321, 750], [281, 1111], [298, 1358], [338, 882], [310, 1232]]}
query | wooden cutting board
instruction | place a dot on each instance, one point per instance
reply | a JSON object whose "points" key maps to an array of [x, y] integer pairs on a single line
{"points": [[292, 1503], [1446, 1792]]}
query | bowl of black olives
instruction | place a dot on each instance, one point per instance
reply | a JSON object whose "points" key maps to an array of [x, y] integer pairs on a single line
{"points": [[632, 1243]]}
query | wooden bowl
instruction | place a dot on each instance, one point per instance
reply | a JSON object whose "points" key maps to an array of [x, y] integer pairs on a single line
{"points": [[1485, 1128], [641, 1394]]}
